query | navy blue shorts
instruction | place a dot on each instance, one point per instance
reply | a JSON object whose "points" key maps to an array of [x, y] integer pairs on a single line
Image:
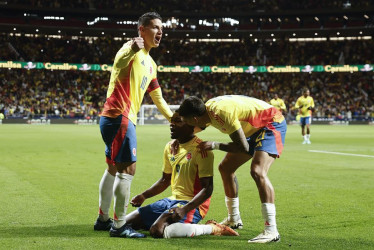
{"points": [[305, 120], [119, 136], [269, 139], [151, 212]]}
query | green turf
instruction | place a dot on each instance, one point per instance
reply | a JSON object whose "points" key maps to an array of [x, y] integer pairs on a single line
{"points": [[49, 178]]}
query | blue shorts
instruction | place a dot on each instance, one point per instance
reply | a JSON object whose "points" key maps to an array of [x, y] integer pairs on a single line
{"points": [[305, 120], [119, 136], [150, 213], [269, 139]]}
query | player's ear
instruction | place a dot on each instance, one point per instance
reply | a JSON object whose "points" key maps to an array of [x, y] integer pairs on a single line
{"points": [[196, 119], [140, 30]]}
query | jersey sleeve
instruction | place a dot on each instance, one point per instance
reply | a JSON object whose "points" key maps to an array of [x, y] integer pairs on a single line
{"points": [[297, 104], [204, 161], [159, 101], [312, 103], [167, 169], [283, 106], [124, 56]]}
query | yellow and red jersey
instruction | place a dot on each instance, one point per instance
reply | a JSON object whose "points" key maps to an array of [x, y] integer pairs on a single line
{"points": [[231, 112], [186, 168], [132, 75], [303, 103]]}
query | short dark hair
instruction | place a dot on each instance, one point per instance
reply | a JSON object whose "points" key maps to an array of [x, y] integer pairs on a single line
{"points": [[192, 106], [146, 18], [305, 89]]}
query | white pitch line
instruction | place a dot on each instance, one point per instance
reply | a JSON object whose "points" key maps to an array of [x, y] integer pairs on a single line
{"points": [[338, 153]]}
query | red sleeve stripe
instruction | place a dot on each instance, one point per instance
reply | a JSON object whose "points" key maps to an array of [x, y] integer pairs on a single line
{"points": [[153, 85]]}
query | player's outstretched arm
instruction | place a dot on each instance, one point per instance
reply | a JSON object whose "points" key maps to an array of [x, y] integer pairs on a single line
{"points": [[239, 143], [205, 193], [157, 188]]}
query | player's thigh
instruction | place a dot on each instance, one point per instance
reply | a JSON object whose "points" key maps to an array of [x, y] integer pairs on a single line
{"points": [[126, 167], [232, 161], [261, 163], [153, 211]]}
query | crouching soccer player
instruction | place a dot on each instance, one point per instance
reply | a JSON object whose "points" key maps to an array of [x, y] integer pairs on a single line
{"points": [[189, 172], [257, 131]]}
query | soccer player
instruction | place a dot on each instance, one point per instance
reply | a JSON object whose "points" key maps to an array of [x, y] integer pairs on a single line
{"points": [[133, 74], [278, 103], [305, 105], [257, 131], [189, 172]]}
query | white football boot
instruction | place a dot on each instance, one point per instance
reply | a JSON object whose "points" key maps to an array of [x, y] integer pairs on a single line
{"points": [[266, 237], [238, 224]]}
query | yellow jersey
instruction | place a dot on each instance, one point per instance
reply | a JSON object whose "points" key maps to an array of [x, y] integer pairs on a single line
{"points": [[231, 112], [186, 167], [132, 75], [278, 103], [303, 103]]}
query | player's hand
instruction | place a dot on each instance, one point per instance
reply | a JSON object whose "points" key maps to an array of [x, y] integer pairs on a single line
{"points": [[174, 147], [178, 213], [137, 44], [205, 146], [138, 200]]}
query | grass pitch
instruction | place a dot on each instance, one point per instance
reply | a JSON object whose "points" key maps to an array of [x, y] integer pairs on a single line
{"points": [[49, 177]]}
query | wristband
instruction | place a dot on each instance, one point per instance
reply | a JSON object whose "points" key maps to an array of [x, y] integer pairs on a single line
{"points": [[215, 145]]}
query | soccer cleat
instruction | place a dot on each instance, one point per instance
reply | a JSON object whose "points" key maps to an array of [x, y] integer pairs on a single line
{"points": [[125, 231], [266, 237], [308, 142], [103, 225], [304, 142], [221, 230], [233, 224]]}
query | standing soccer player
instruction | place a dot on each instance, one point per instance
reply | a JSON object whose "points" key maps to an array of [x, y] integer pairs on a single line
{"points": [[278, 103], [257, 131], [133, 74], [305, 105]]}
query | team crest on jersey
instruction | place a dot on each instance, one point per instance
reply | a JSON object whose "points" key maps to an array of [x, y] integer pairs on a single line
{"points": [[188, 156], [150, 70], [172, 158], [143, 63], [134, 151]]}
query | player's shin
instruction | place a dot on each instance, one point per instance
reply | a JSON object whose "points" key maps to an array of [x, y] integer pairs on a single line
{"points": [[178, 230], [121, 190], [268, 213], [232, 205], [105, 195]]}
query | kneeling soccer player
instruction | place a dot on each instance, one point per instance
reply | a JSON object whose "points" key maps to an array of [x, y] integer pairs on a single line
{"points": [[190, 174]]}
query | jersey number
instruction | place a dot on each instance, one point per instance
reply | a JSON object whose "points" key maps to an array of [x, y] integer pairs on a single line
{"points": [[144, 81]]}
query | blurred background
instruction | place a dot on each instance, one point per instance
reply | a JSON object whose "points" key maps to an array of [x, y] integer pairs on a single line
{"points": [[55, 56]]}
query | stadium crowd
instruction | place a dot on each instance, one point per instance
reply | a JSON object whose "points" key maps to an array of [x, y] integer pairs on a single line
{"points": [[182, 52], [78, 94]]}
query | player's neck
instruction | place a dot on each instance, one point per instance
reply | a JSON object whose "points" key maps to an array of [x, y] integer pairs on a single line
{"points": [[147, 48], [185, 139], [206, 118]]}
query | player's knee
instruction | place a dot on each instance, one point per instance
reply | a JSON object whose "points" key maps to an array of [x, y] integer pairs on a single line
{"points": [[256, 172], [156, 232], [224, 170]]}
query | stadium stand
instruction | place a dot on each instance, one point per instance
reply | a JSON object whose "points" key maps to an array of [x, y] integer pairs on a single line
{"points": [[26, 35]]}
